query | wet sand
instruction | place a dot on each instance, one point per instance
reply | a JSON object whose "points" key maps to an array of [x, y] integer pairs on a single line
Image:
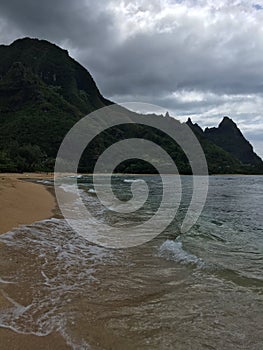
{"points": [[23, 202], [13, 341]]}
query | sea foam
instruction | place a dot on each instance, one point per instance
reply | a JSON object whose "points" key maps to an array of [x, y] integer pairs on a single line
{"points": [[173, 250]]}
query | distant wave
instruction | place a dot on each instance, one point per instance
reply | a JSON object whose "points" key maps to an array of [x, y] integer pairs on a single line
{"points": [[131, 181], [45, 182], [173, 250], [68, 188]]}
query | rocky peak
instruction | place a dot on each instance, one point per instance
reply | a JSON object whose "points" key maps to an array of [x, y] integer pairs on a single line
{"points": [[227, 124], [229, 137], [195, 127]]}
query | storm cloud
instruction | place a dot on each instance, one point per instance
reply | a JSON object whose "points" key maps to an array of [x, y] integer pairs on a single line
{"points": [[201, 59]]}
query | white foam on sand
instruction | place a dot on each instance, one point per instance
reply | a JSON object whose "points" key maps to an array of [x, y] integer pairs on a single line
{"points": [[56, 265]]}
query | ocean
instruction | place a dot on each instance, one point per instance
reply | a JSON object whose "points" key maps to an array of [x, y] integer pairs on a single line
{"points": [[199, 290]]}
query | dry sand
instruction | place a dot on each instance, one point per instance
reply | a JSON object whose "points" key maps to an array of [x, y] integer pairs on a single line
{"points": [[23, 202]]}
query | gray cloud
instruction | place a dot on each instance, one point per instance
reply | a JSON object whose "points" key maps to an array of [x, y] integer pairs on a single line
{"points": [[202, 59]]}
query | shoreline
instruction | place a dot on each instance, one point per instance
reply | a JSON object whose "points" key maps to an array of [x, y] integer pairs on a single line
{"points": [[24, 202]]}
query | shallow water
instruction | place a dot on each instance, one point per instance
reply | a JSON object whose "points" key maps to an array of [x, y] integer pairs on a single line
{"points": [[200, 290]]}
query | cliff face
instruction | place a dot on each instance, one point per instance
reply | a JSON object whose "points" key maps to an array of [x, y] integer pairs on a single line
{"points": [[56, 69], [228, 136], [44, 92]]}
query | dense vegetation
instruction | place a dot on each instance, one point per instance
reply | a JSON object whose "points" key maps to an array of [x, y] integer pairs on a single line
{"points": [[44, 92]]}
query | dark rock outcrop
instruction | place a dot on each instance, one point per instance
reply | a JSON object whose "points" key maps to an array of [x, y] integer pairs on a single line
{"points": [[228, 136]]}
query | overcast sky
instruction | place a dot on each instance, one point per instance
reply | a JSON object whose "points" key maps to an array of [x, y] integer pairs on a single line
{"points": [[202, 59]]}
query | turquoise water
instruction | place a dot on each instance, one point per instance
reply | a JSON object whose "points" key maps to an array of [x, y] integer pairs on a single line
{"points": [[199, 290]]}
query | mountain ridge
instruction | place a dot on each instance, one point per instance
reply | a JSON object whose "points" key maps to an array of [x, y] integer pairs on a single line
{"points": [[230, 138], [44, 92]]}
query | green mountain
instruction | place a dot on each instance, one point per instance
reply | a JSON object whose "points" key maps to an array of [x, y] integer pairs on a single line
{"points": [[44, 92], [229, 137]]}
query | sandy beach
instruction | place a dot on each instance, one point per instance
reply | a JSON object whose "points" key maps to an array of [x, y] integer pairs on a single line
{"points": [[23, 202]]}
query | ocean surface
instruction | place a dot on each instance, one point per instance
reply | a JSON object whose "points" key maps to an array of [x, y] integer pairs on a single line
{"points": [[199, 290]]}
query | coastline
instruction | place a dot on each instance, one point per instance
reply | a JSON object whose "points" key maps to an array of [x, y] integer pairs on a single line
{"points": [[24, 202], [101, 300]]}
